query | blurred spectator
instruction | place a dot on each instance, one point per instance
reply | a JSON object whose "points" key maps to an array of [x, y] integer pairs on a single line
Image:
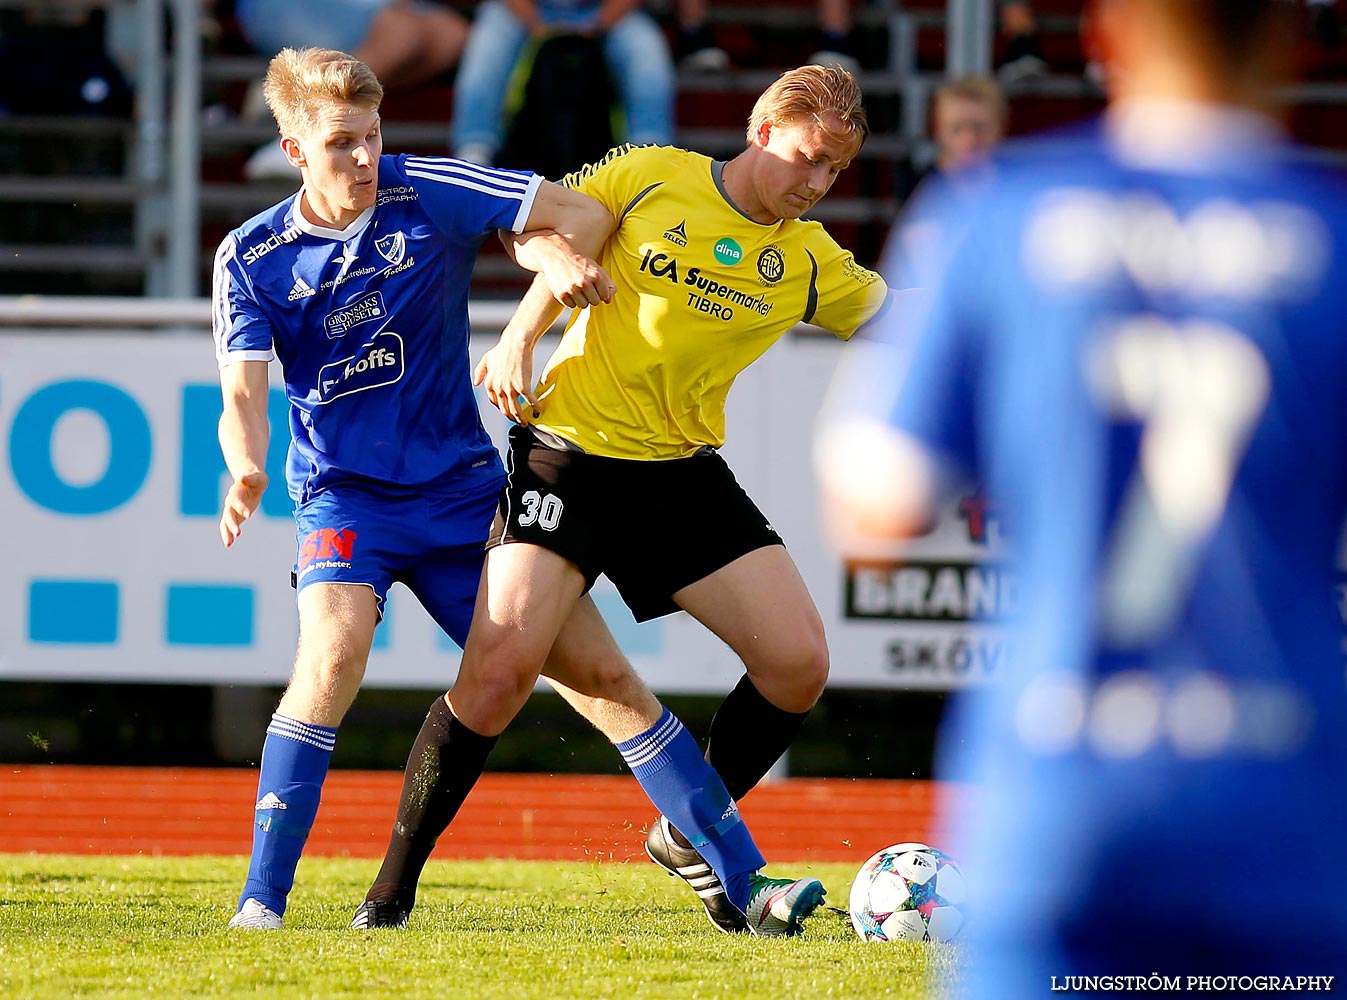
{"points": [[969, 117], [1023, 57], [404, 42], [968, 121], [837, 42], [563, 120], [698, 52], [633, 48]]}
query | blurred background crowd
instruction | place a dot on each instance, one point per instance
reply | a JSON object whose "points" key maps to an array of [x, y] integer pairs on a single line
{"points": [[546, 85]]}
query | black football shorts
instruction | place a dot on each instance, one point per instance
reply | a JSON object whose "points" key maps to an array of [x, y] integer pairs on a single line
{"points": [[652, 528]]}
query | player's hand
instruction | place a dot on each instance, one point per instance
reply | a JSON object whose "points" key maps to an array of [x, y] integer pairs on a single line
{"points": [[576, 281], [506, 373], [242, 499]]}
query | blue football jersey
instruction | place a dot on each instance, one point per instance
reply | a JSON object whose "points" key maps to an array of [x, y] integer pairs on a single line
{"points": [[1139, 349], [370, 324]]}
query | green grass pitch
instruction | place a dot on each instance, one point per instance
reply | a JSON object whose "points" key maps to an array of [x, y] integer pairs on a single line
{"points": [[126, 927]]}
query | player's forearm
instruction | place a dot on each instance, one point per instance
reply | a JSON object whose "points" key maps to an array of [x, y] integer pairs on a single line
{"points": [[244, 435], [534, 315], [537, 250], [244, 430], [243, 440]]}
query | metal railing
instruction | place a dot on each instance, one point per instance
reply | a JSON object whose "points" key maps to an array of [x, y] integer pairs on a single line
{"points": [[168, 214]]}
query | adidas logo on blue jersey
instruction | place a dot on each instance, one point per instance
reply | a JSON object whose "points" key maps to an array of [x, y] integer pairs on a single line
{"points": [[301, 290]]}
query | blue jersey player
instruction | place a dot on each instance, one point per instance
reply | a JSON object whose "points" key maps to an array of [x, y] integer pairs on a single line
{"points": [[358, 286], [1136, 342]]}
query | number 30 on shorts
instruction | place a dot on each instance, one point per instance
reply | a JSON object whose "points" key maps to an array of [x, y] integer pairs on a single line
{"points": [[546, 510]]}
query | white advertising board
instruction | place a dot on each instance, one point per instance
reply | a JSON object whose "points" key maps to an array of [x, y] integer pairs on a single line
{"points": [[113, 569]]}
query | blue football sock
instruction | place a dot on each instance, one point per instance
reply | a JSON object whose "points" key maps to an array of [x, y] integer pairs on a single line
{"points": [[669, 765], [295, 756]]}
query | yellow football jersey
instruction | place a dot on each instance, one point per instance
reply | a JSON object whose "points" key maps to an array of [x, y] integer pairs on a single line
{"points": [[702, 292]]}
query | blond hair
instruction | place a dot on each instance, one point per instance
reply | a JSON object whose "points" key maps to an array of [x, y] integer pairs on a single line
{"points": [[979, 88], [813, 95], [302, 83]]}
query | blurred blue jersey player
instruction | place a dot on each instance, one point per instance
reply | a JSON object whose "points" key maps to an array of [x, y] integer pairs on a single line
{"points": [[1136, 340], [358, 285]]}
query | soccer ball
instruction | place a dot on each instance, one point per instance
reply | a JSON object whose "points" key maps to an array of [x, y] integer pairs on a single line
{"points": [[908, 892]]}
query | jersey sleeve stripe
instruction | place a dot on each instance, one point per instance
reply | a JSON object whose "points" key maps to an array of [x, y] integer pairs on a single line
{"points": [[515, 194], [811, 304], [220, 282], [227, 358], [461, 168], [637, 200], [521, 217]]}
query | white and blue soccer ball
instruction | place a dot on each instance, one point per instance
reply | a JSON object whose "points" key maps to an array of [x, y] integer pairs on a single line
{"points": [[908, 892]]}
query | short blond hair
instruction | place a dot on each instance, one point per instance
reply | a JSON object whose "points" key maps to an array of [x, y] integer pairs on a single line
{"points": [[813, 95], [302, 83], [978, 88]]}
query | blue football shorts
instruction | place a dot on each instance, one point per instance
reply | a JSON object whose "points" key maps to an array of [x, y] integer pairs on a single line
{"points": [[433, 544]]}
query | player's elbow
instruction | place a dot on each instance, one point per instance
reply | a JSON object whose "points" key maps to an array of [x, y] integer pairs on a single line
{"points": [[879, 486], [582, 220], [593, 224]]}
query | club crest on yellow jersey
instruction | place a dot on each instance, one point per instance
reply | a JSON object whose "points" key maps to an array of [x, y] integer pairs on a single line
{"points": [[771, 264]]}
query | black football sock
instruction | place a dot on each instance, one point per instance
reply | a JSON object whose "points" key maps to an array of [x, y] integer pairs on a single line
{"points": [[748, 735], [446, 761]]}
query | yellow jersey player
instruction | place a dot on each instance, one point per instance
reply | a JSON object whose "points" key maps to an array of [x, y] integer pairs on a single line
{"points": [[614, 467], [707, 288]]}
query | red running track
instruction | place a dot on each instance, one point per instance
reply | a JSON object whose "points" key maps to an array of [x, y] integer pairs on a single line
{"points": [[128, 810]]}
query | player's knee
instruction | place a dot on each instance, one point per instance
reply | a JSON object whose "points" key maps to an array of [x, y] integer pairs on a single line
{"points": [[811, 670], [504, 691], [323, 686], [495, 653], [493, 685], [795, 673], [609, 676], [330, 669], [487, 703]]}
